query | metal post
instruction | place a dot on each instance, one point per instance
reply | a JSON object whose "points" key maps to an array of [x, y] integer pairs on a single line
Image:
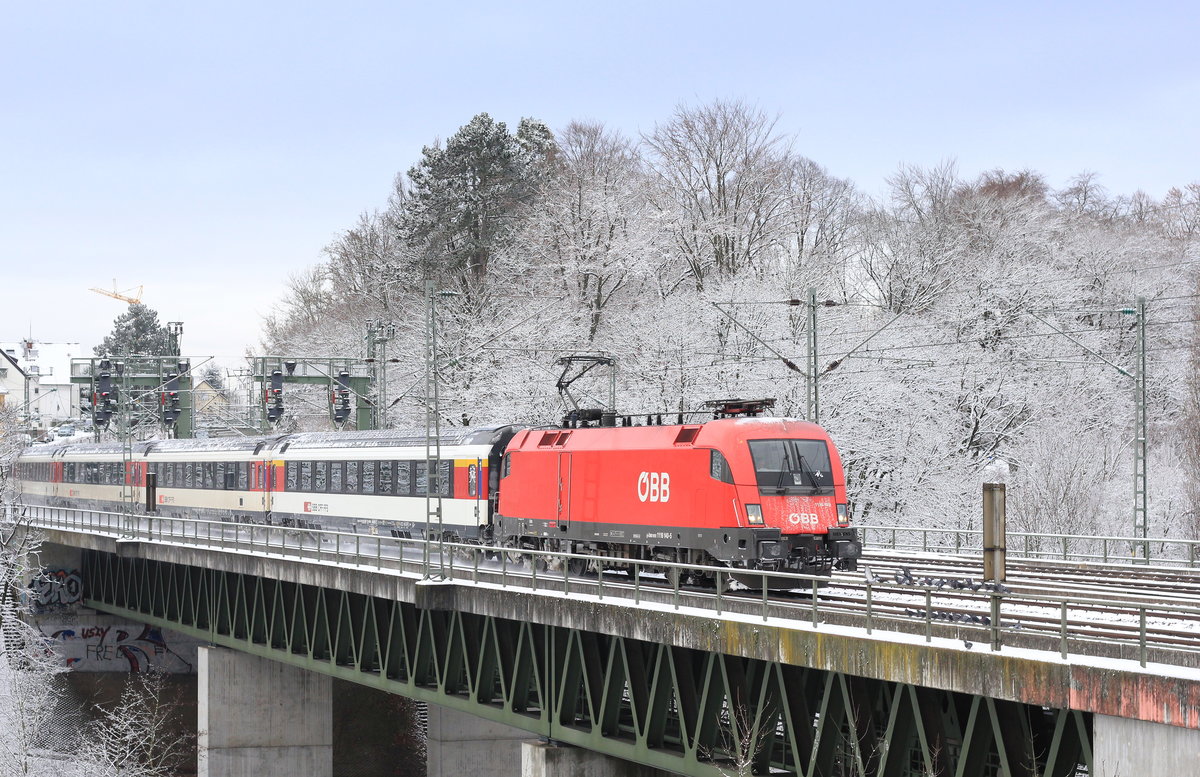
{"points": [[994, 545], [1140, 479], [811, 371], [433, 431]]}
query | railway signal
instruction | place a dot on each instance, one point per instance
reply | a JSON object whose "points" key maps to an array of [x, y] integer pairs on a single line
{"points": [[169, 400], [273, 397], [339, 398], [104, 402]]}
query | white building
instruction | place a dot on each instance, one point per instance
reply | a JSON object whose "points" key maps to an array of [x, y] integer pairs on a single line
{"points": [[12, 382], [51, 396]]}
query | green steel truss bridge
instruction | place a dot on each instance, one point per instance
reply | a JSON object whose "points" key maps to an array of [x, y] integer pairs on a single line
{"points": [[692, 682]]}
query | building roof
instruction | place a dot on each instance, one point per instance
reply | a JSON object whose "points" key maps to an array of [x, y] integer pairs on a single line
{"points": [[49, 362], [10, 360]]}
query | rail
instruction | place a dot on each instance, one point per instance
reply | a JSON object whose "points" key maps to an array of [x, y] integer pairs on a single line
{"points": [[1038, 545], [995, 616]]}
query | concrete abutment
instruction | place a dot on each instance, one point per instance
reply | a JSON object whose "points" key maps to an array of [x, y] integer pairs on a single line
{"points": [[1124, 747]]}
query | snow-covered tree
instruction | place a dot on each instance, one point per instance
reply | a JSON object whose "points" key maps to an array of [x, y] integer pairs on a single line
{"points": [[970, 318], [141, 734], [464, 195], [721, 169], [590, 235], [136, 331]]}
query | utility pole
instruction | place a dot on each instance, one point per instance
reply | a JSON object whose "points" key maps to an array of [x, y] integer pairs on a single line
{"points": [[1141, 491], [812, 371], [1140, 433], [175, 333], [433, 431], [379, 334]]}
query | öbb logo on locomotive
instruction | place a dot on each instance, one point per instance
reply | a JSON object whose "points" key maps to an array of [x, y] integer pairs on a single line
{"points": [[654, 487], [750, 494]]}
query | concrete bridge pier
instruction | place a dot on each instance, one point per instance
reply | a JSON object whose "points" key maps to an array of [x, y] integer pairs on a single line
{"points": [[458, 744], [554, 759], [1127, 747], [260, 718]]}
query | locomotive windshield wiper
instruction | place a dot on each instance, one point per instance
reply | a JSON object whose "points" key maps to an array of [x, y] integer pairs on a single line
{"points": [[785, 469], [812, 478]]}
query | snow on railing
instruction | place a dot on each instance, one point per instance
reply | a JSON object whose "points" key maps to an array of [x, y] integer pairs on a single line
{"points": [[1037, 545], [990, 613]]}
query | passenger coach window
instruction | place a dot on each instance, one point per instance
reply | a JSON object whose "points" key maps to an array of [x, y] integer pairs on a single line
{"points": [[422, 478], [218, 477], [403, 478], [243, 480], [336, 469], [446, 472], [291, 473], [306, 476], [384, 484], [351, 477], [321, 476]]}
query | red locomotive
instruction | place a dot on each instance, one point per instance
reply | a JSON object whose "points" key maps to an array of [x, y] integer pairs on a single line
{"points": [[745, 492]]}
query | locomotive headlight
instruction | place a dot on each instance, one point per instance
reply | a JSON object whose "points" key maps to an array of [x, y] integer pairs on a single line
{"points": [[843, 516], [754, 515]]}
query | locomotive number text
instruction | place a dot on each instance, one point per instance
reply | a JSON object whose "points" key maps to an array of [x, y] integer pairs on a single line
{"points": [[654, 486]]}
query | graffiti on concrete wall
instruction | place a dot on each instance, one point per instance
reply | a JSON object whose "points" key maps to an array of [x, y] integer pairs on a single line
{"points": [[55, 588], [121, 647]]}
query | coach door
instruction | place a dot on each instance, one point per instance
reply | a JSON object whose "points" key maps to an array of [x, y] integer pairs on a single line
{"points": [[260, 482], [135, 479]]}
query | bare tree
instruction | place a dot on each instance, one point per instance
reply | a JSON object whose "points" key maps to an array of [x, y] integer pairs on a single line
{"points": [[914, 250], [29, 669], [721, 170], [142, 734], [591, 225]]}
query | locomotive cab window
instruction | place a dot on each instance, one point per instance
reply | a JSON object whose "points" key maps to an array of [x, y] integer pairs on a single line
{"points": [[719, 467], [791, 466]]}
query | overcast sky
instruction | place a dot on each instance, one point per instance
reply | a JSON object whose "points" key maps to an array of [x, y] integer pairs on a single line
{"points": [[208, 150]]}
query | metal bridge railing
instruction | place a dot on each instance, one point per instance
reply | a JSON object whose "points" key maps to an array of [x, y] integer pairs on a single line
{"points": [[1036, 545], [995, 616]]}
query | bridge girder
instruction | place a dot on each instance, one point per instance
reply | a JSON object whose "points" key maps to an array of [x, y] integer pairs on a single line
{"points": [[676, 708]]}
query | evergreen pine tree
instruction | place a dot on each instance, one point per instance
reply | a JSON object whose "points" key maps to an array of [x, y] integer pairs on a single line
{"points": [[464, 195], [136, 331]]}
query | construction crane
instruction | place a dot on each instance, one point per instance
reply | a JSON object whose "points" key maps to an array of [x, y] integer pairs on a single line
{"points": [[123, 296]]}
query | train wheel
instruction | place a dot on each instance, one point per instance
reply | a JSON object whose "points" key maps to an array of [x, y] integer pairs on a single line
{"points": [[577, 567], [512, 555]]}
